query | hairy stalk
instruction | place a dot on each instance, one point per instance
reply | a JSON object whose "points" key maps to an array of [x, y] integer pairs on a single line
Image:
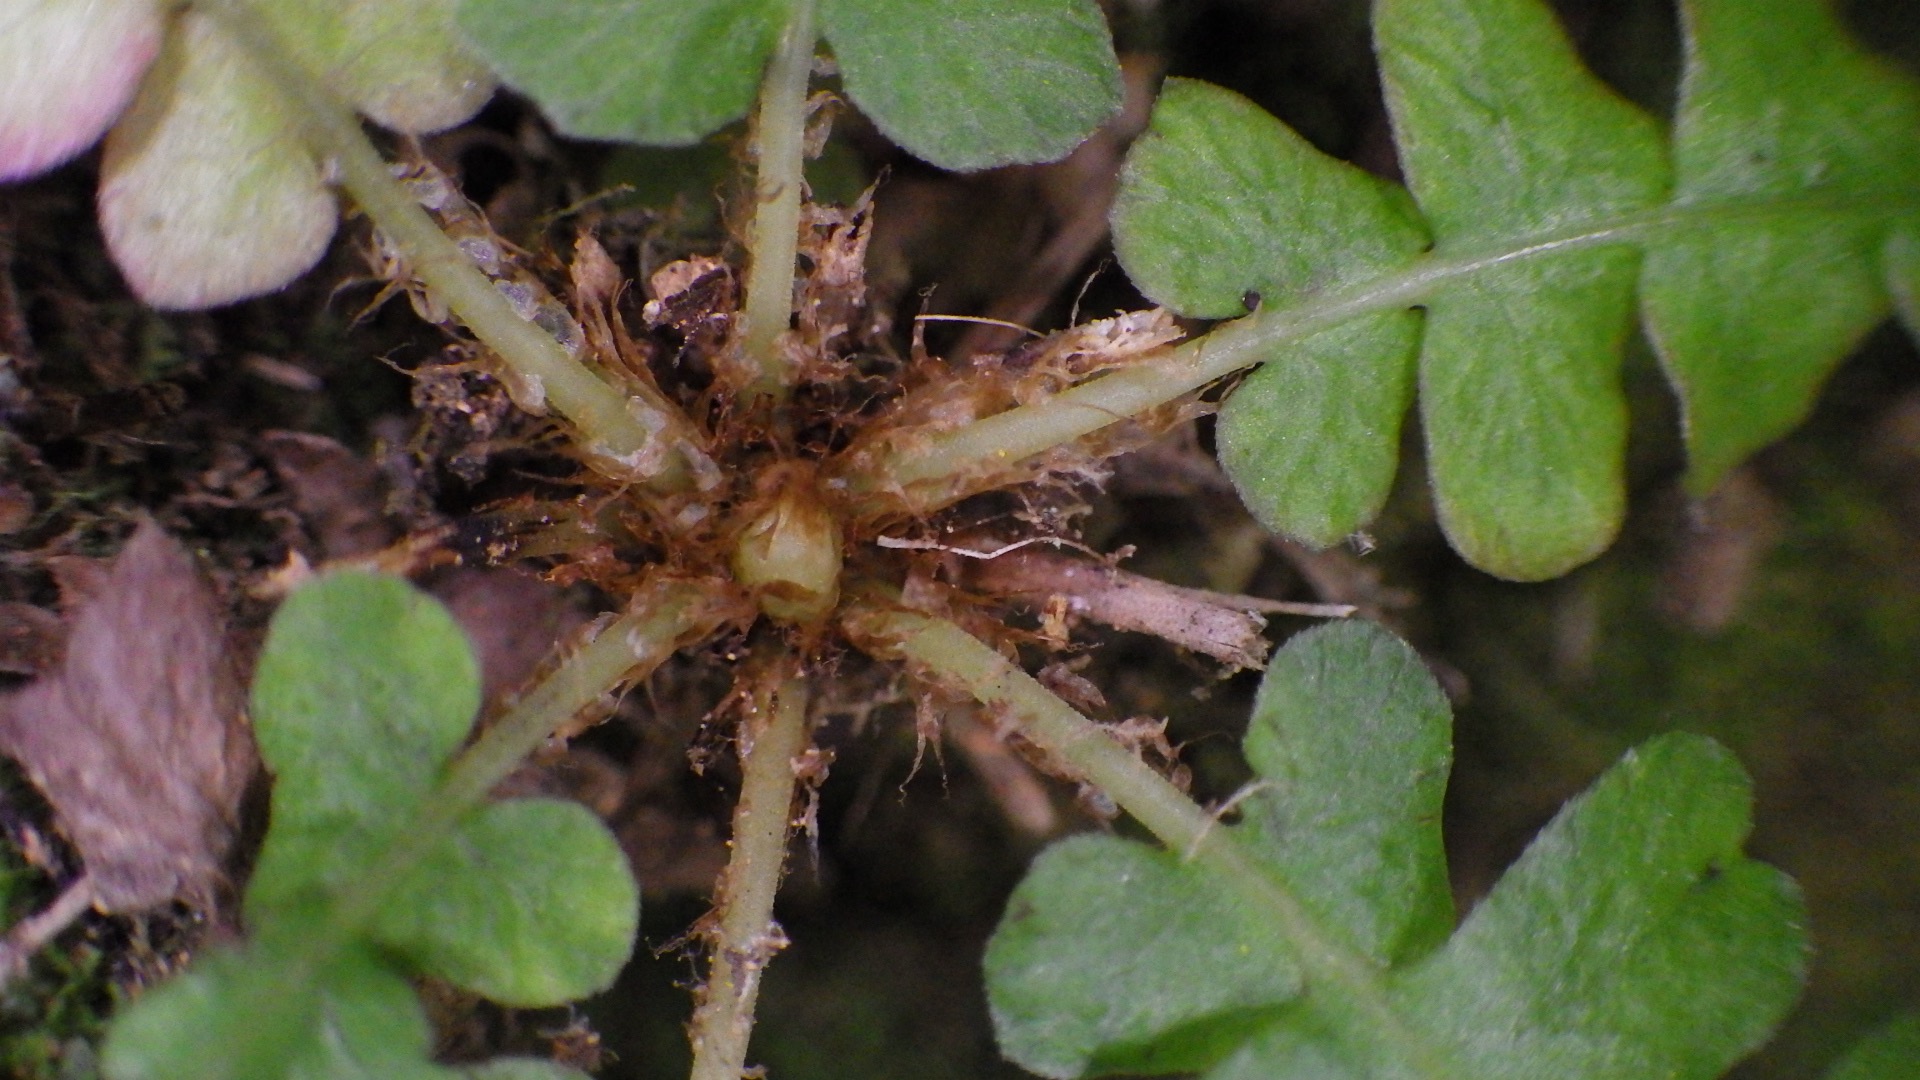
{"points": [[945, 468], [662, 617], [780, 137], [954, 657], [632, 440], [773, 734]]}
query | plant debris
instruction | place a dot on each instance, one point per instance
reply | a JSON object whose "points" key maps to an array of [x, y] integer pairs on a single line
{"points": [[137, 739]]}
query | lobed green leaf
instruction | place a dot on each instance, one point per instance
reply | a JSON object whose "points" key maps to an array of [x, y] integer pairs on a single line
{"points": [[1788, 218], [1351, 743], [965, 84], [243, 1015], [527, 903], [1632, 938], [1750, 317], [1312, 438], [968, 84], [667, 72], [1503, 134], [363, 690], [1113, 957]]}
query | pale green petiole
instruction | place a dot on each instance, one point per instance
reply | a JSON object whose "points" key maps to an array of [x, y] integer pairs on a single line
{"points": [[630, 439], [774, 734], [935, 470], [779, 183]]}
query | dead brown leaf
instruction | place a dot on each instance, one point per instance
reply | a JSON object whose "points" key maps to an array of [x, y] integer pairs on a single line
{"points": [[137, 739], [338, 495]]}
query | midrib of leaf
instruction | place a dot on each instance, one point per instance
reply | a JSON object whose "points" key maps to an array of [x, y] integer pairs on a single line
{"points": [[1333, 971], [934, 470]]}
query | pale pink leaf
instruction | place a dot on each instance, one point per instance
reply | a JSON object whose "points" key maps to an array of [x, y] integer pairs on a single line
{"points": [[67, 69]]}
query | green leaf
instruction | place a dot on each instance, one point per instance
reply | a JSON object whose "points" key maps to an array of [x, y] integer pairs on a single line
{"points": [[1503, 134], [968, 84], [1793, 211], [1750, 317], [1890, 1053], [364, 688], [1214, 173], [1114, 957], [667, 72], [399, 61], [528, 903], [1081, 973], [1311, 439], [1632, 939], [243, 1015], [206, 194], [964, 84], [1525, 418], [1350, 742]]}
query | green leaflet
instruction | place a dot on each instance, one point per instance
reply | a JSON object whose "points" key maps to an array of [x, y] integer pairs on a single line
{"points": [[1632, 939], [365, 689], [1115, 957], [1069, 999], [1890, 1053], [968, 84], [551, 889], [1353, 740], [1278, 219], [401, 62], [1750, 319], [965, 84], [1791, 214], [652, 71]]}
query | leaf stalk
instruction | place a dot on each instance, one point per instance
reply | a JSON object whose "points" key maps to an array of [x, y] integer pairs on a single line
{"points": [[935, 472], [633, 440], [774, 733], [779, 183]]}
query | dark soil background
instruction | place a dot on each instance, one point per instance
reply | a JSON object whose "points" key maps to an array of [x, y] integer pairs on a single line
{"points": [[1783, 618]]}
